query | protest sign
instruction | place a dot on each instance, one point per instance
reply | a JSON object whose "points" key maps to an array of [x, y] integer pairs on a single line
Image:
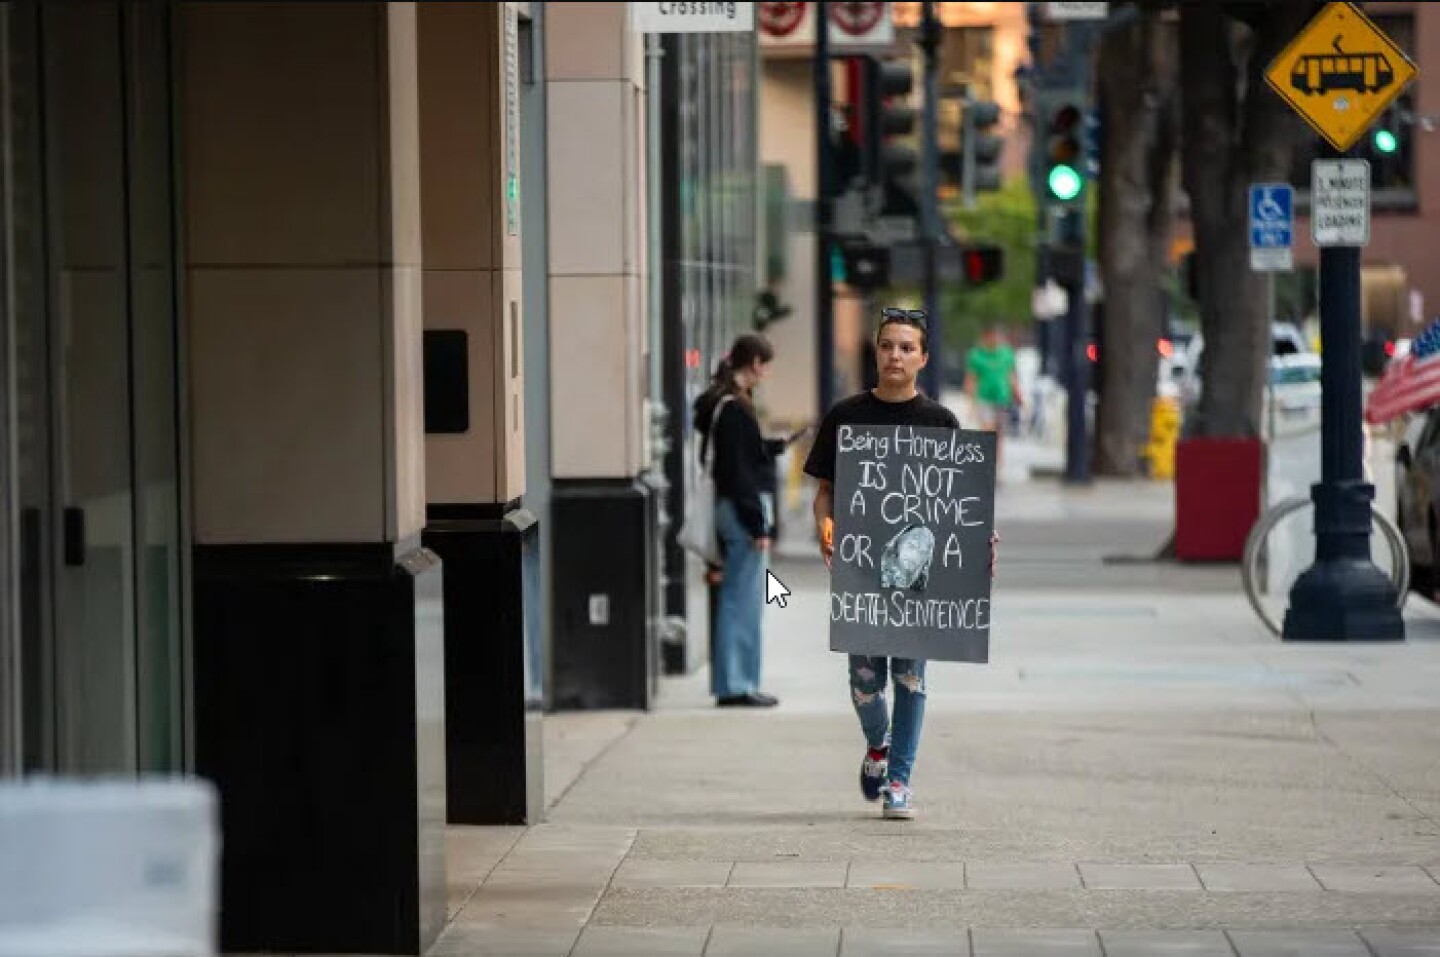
{"points": [[914, 511]]}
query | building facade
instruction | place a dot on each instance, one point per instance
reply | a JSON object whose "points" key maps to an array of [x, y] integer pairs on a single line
{"points": [[347, 356]]}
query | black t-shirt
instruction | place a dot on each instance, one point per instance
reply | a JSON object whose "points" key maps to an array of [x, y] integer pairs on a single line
{"points": [[864, 408]]}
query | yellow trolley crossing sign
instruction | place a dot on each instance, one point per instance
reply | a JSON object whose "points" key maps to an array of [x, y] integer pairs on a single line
{"points": [[1340, 74]]}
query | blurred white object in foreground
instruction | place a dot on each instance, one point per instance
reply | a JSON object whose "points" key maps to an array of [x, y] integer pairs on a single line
{"points": [[108, 867]]}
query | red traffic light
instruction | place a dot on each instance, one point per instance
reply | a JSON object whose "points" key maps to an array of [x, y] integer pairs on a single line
{"points": [[983, 264]]}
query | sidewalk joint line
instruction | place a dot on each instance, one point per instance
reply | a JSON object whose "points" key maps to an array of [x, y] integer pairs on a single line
{"points": [[1323, 736], [585, 768], [605, 889], [484, 880]]}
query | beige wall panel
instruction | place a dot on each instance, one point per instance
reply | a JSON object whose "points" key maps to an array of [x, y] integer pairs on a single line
{"points": [[590, 402], [283, 108], [462, 468], [459, 110], [405, 387], [286, 374], [587, 186], [510, 385], [586, 41], [404, 127]]}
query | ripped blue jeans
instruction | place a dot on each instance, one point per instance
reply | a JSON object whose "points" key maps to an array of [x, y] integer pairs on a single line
{"points": [[868, 680]]}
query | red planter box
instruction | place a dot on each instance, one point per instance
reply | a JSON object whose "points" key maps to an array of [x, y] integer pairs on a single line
{"points": [[1217, 497]]}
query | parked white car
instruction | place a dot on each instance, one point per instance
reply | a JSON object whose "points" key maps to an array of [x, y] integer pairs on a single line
{"points": [[1295, 386]]}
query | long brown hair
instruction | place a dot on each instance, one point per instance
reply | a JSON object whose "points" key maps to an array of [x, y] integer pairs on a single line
{"points": [[744, 351]]}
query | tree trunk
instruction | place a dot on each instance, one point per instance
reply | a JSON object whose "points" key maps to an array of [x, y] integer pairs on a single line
{"points": [[1237, 132], [1138, 86]]}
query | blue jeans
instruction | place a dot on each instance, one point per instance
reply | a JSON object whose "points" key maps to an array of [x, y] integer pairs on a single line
{"points": [[867, 692], [736, 639]]}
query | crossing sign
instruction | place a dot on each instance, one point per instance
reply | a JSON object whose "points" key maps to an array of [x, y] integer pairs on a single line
{"points": [[1340, 74], [1272, 223]]}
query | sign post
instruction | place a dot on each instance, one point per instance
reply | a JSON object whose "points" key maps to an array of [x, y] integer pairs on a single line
{"points": [[1272, 221], [1340, 74], [914, 511]]}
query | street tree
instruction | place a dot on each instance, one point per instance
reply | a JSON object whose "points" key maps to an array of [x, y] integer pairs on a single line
{"points": [[1235, 131], [1138, 85]]}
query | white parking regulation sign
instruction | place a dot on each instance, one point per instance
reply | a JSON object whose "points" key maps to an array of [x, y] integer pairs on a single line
{"points": [[1340, 202]]}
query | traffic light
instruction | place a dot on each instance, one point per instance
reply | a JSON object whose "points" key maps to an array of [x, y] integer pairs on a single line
{"points": [[1062, 136], [980, 147], [983, 263], [893, 121], [867, 265], [1094, 135]]}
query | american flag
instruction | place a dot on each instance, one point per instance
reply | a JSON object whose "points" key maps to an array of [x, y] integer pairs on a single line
{"points": [[1411, 383]]}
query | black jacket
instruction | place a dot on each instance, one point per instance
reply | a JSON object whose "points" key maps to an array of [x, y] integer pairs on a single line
{"points": [[744, 459]]}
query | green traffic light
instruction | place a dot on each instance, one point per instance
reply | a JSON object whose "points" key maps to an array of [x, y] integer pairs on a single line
{"points": [[1386, 142], [1065, 182]]}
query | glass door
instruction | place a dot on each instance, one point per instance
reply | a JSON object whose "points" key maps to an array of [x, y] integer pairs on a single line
{"points": [[93, 306]]}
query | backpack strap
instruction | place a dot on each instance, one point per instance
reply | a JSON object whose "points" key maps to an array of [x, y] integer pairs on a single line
{"points": [[707, 447]]}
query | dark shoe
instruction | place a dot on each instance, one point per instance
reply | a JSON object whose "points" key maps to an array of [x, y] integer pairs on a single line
{"points": [[754, 699], [873, 769]]}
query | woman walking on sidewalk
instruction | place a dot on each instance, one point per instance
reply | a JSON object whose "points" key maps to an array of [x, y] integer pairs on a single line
{"points": [[744, 518], [891, 740]]}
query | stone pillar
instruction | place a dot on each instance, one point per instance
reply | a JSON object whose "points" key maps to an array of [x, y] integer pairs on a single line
{"points": [[475, 416], [606, 592], [318, 623]]}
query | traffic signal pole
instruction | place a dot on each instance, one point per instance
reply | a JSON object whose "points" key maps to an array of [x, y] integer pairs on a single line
{"points": [[1077, 367], [824, 191], [929, 41]]}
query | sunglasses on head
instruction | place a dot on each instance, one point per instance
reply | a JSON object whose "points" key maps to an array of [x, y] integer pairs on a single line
{"points": [[916, 316]]}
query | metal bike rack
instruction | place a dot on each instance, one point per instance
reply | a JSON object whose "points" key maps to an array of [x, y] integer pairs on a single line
{"points": [[1399, 553]]}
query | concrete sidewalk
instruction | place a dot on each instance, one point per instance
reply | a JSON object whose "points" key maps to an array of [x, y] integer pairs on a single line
{"points": [[1140, 769]]}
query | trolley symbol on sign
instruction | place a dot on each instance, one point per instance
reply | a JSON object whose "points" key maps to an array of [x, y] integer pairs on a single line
{"points": [[1323, 72]]}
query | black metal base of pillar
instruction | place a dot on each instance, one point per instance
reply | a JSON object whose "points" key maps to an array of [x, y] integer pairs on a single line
{"points": [[604, 647], [494, 698], [320, 716], [1343, 599]]}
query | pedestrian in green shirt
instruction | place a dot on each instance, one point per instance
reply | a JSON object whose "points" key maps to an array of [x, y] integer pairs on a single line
{"points": [[991, 383]]}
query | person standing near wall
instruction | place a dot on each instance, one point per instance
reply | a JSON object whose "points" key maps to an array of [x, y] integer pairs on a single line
{"points": [[744, 517]]}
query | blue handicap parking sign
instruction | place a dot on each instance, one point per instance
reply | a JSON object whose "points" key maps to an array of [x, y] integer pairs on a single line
{"points": [[1272, 208]]}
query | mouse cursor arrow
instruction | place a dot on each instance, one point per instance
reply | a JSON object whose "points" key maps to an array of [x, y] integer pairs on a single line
{"points": [[775, 590]]}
